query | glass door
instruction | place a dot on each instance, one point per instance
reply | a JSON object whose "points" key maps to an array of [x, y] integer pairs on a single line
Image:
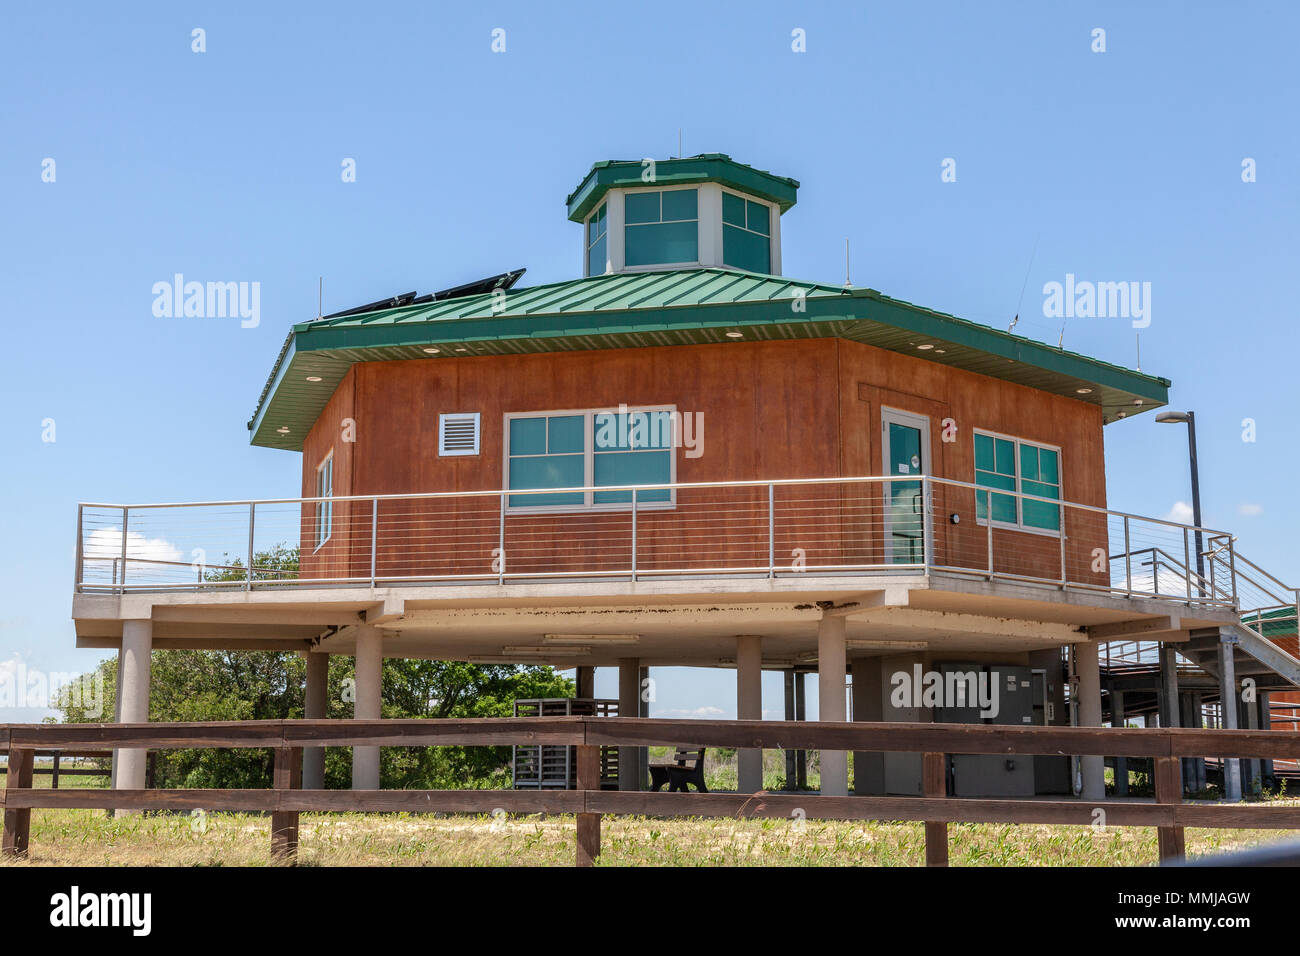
{"points": [[905, 450]]}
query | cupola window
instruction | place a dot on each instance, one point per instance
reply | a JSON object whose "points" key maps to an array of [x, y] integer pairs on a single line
{"points": [[746, 234], [596, 242], [662, 227]]}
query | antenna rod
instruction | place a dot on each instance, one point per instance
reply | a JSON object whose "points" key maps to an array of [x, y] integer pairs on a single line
{"points": [[847, 280], [679, 142], [320, 297]]}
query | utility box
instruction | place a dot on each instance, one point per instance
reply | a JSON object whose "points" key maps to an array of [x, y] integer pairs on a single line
{"points": [[1007, 692]]}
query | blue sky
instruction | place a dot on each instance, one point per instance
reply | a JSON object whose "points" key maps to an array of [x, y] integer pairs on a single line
{"points": [[225, 165]]}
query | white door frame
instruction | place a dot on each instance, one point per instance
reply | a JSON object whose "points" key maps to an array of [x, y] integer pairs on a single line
{"points": [[915, 420]]}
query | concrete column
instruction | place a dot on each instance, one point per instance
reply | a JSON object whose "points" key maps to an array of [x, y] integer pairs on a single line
{"points": [[1195, 779], [117, 719], [749, 706], [832, 700], [1167, 697], [1228, 707], [868, 705], [791, 773], [1121, 763], [369, 671], [586, 681], [801, 713], [133, 696], [314, 707], [1265, 723], [629, 705], [1253, 784], [1087, 667]]}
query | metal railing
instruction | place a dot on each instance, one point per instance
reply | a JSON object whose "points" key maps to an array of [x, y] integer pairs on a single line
{"points": [[761, 529]]}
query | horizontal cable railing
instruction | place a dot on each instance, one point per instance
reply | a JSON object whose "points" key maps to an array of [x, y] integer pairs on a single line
{"points": [[287, 738], [766, 529]]}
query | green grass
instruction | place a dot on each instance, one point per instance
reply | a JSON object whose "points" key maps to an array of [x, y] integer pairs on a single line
{"points": [[91, 838]]}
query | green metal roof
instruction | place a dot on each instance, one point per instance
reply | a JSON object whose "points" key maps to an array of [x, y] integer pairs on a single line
{"points": [[706, 167], [681, 307]]}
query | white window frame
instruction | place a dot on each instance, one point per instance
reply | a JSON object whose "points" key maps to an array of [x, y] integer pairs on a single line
{"points": [[324, 509], [698, 220], [586, 257], [1019, 524], [588, 465], [442, 434]]}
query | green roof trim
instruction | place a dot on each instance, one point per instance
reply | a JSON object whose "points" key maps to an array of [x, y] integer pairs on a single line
{"points": [[704, 168], [679, 307]]}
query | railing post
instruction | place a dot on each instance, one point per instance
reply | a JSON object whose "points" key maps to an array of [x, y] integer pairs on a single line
{"points": [[633, 534], [501, 543], [1232, 572], [287, 775], [588, 823], [18, 822], [1169, 791], [252, 520], [374, 537], [988, 523], [771, 530], [78, 570], [1187, 563], [935, 784], [1064, 574], [927, 523], [1128, 560], [121, 584], [54, 772]]}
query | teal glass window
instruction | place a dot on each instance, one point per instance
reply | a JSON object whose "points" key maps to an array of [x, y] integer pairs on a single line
{"points": [[624, 447], [547, 452], [632, 448], [1014, 465], [746, 234], [661, 227], [596, 242]]}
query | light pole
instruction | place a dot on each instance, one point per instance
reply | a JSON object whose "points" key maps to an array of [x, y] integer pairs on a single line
{"points": [[1190, 419]]}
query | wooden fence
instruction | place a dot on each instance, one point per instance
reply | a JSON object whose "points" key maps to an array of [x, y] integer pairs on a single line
{"points": [[287, 738]]}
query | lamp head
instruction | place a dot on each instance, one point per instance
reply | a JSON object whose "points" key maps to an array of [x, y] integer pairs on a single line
{"points": [[1174, 417]]}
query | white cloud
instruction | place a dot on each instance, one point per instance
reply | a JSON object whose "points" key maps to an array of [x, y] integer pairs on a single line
{"points": [[1248, 509], [107, 543], [1180, 513], [695, 712]]}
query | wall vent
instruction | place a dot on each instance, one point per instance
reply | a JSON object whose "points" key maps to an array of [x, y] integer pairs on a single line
{"points": [[458, 434]]}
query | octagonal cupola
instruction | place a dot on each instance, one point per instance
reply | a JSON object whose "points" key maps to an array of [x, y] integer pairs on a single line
{"points": [[705, 211]]}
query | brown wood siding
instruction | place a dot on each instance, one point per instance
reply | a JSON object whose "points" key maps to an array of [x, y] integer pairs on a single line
{"points": [[781, 409], [332, 559]]}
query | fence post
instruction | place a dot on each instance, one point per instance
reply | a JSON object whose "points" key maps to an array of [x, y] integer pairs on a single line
{"points": [[1128, 560], [501, 543], [935, 784], [1169, 790], [633, 534], [79, 569], [284, 823], [17, 822], [588, 823]]}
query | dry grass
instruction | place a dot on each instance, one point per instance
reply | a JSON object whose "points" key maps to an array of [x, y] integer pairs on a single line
{"points": [[91, 838]]}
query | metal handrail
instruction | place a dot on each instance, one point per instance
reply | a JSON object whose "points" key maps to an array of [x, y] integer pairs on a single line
{"points": [[925, 561]]}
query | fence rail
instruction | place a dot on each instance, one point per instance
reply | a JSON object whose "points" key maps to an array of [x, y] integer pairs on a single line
{"points": [[287, 738], [770, 529]]}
